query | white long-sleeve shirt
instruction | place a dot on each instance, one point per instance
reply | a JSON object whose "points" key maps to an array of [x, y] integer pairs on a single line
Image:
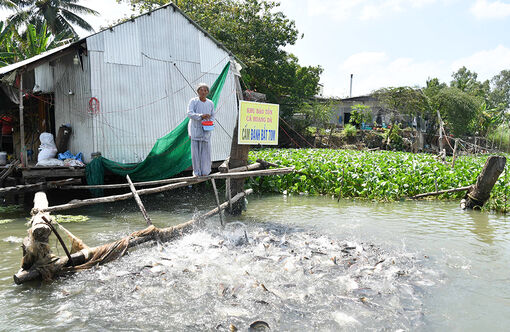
{"points": [[196, 108]]}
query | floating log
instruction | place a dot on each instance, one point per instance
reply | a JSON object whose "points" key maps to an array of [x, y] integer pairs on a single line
{"points": [[440, 192], [86, 258], [480, 192]]}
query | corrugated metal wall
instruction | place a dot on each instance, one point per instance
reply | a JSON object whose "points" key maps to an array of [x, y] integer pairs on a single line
{"points": [[141, 74], [73, 108]]}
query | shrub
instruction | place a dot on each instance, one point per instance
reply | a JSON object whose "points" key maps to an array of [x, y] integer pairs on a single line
{"points": [[349, 130]]}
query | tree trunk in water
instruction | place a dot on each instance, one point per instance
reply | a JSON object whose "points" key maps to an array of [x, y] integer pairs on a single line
{"points": [[480, 192]]}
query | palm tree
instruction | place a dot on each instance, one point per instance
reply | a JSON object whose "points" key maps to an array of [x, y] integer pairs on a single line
{"points": [[15, 47], [59, 15]]}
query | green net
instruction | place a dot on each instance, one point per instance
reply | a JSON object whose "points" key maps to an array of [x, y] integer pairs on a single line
{"points": [[170, 155]]}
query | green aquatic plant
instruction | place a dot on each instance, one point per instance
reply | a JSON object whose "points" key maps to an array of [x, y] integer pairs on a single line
{"points": [[377, 175], [62, 218], [10, 209]]}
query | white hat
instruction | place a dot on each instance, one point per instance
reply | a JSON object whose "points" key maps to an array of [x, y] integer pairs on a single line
{"points": [[202, 85]]}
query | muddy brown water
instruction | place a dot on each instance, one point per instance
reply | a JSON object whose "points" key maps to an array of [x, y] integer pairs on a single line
{"points": [[297, 263]]}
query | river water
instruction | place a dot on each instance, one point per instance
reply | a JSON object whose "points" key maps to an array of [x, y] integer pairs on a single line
{"points": [[297, 263]]}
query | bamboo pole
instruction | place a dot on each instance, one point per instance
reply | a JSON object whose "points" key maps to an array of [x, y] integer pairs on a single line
{"points": [[217, 200], [114, 198], [59, 239], [440, 192], [139, 201], [455, 153], [37, 186], [151, 233], [23, 150], [166, 181], [8, 171]]}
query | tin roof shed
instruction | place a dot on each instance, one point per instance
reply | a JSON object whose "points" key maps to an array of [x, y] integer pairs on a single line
{"points": [[122, 88]]}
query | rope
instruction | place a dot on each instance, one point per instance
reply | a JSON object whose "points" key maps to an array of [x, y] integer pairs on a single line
{"points": [[290, 137], [295, 131]]}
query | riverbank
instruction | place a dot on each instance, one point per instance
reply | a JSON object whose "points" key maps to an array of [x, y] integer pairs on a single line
{"points": [[376, 175]]}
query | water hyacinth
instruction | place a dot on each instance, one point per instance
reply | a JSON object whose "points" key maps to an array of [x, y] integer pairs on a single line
{"points": [[377, 175]]}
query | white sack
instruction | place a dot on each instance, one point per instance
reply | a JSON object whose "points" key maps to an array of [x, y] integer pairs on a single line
{"points": [[48, 149]]}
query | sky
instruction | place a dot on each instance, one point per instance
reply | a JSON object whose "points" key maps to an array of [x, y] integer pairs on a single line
{"points": [[386, 43]]}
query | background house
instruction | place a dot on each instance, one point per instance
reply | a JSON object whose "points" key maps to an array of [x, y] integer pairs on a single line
{"points": [[122, 88]]}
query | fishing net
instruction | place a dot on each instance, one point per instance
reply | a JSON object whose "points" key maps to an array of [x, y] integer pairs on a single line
{"points": [[170, 155]]}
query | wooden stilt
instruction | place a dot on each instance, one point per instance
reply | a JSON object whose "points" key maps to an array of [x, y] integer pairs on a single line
{"points": [[217, 200], [455, 152], [139, 201], [224, 168]]}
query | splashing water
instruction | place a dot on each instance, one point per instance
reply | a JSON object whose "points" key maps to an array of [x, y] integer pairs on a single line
{"points": [[288, 277]]}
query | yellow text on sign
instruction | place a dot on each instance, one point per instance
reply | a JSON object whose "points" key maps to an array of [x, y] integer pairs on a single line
{"points": [[258, 123]]}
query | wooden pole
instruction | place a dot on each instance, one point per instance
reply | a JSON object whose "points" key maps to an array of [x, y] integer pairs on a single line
{"points": [[37, 186], [114, 198], [139, 201], [480, 192], [59, 239], [238, 156], [23, 152], [224, 168], [440, 192], [440, 142], [454, 153], [217, 201], [192, 179]]}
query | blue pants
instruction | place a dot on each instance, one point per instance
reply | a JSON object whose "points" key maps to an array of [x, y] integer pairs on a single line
{"points": [[201, 157]]}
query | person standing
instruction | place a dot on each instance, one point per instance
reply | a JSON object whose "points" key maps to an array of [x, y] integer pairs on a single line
{"points": [[200, 109]]}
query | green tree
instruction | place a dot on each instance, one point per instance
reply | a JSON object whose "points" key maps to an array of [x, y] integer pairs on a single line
{"points": [[457, 108], [403, 101], [467, 81], [433, 86], [256, 32], [60, 16], [15, 47], [500, 93], [319, 114], [360, 113]]}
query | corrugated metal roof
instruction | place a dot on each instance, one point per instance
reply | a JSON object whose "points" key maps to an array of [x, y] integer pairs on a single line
{"points": [[42, 56]]}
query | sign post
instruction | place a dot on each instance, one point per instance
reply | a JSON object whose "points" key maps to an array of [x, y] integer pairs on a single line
{"points": [[258, 123]]}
